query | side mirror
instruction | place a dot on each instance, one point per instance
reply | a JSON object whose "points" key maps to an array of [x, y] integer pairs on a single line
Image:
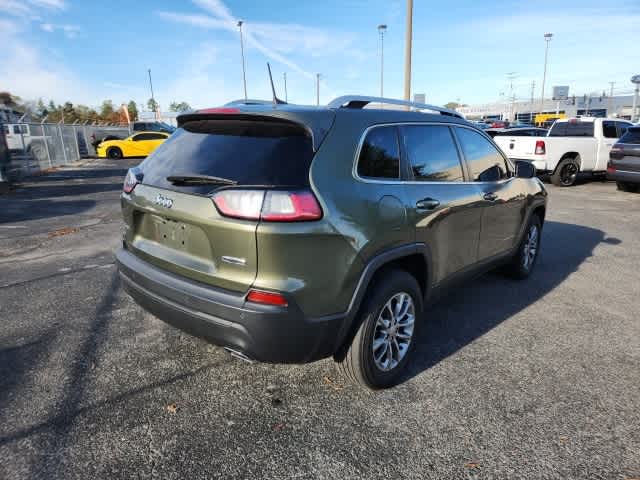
{"points": [[525, 169]]}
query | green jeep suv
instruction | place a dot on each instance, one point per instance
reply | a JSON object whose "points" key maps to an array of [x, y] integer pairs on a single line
{"points": [[290, 233]]}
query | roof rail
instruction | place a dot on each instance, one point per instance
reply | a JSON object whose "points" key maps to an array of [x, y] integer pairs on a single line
{"points": [[360, 101], [248, 102]]}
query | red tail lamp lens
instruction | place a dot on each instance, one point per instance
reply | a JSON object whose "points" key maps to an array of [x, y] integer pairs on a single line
{"points": [[267, 298]]}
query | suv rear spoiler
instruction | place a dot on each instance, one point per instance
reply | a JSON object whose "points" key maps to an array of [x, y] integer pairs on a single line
{"points": [[317, 123]]}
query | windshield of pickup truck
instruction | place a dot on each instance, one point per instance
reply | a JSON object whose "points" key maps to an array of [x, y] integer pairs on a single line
{"points": [[571, 129]]}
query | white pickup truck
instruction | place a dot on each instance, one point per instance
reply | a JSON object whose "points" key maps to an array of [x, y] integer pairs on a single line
{"points": [[571, 146]]}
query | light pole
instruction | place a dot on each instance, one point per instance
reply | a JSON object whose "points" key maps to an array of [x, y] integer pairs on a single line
{"points": [[407, 51], [636, 94], [381, 29], [286, 97], [547, 39], [610, 102], [244, 78], [153, 100]]}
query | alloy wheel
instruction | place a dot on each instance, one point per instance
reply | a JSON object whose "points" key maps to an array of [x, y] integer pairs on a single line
{"points": [[393, 331], [530, 249]]}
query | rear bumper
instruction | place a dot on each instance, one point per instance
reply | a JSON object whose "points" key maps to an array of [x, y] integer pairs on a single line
{"points": [[541, 165], [263, 333], [624, 176]]}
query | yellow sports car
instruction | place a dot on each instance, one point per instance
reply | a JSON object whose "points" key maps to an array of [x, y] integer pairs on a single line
{"points": [[139, 144]]}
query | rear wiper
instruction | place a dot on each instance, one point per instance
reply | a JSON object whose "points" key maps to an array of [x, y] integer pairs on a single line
{"points": [[200, 180]]}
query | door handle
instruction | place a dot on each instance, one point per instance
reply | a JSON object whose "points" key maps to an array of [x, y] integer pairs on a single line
{"points": [[427, 204], [491, 197]]}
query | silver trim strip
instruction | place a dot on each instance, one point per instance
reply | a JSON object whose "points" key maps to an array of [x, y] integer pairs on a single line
{"points": [[234, 260]]}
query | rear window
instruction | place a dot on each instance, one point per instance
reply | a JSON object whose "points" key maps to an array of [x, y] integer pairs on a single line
{"points": [[632, 136], [380, 154], [572, 129], [248, 152]]}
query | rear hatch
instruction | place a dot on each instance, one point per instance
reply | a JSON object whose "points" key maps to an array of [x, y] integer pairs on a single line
{"points": [[625, 154], [199, 197]]}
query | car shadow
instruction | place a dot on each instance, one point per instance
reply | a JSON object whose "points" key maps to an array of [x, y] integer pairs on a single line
{"points": [[473, 309], [23, 210]]}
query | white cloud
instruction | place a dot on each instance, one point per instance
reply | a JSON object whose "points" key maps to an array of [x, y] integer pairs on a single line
{"points": [[29, 8], [70, 31], [276, 41]]}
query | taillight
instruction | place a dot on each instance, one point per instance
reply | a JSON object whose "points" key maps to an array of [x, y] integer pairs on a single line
{"points": [[540, 147], [267, 298], [610, 168], [269, 206], [130, 182]]}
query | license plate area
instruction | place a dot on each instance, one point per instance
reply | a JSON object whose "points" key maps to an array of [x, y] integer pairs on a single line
{"points": [[170, 232]]}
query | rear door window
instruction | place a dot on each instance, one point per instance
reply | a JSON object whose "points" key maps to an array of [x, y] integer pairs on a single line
{"points": [[572, 129], [622, 128], [380, 154], [432, 153], [484, 160], [251, 153], [609, 129], [631, 136]]}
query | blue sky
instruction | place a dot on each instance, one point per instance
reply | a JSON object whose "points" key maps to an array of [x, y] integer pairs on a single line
{"points": [[89, 50]]}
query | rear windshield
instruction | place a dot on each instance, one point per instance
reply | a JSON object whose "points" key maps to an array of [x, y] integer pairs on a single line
{"points": [[572, 129], [631, 137], [247, 152]]}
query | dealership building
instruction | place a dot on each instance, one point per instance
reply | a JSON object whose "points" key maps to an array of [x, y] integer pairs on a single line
{"points": [[595, 106]]}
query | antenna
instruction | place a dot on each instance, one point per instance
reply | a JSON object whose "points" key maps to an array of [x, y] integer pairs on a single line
{"points": [[276, 100]]}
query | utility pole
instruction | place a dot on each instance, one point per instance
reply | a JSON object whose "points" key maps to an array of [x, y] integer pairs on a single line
{"points": [[547, 39], [318, 89], [286, 97], [151, 86], [610, 102], [511, 76], [533, 90], [381, 29], [407, 51], [244, 77]]}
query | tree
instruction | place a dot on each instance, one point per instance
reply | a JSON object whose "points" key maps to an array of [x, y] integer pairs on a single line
{"points": [[179, 107], [133, 111], [9, 100], [454, 105], [41, 109], [106, 110], [152, 105]]}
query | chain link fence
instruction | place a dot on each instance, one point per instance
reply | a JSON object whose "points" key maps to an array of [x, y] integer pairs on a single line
{"points": [[33, 147]]}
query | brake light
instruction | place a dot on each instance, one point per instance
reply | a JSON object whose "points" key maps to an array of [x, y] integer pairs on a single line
{"points": [[267, 298], [130, 182], [610, 168], [220, 110], [541, 148], [269, 206]]}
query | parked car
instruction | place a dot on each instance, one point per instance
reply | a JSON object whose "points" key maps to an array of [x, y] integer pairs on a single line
{"points": [[97, 139], [516, 132], [141, 126], [137, 145], [624, 161], [570, 147], [289, 234], [26, 138]]}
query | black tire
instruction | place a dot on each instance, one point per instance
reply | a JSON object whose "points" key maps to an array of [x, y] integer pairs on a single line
{"points": [[627, 187], [359, 364], [114, 153], [522, 264], [566, 173]]}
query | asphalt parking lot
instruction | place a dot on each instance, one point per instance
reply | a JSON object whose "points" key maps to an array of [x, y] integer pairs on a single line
{"points": [[539, 379]]}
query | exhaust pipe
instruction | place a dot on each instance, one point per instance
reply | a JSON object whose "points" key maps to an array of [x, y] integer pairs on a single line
{"points": [[239, 355]]}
